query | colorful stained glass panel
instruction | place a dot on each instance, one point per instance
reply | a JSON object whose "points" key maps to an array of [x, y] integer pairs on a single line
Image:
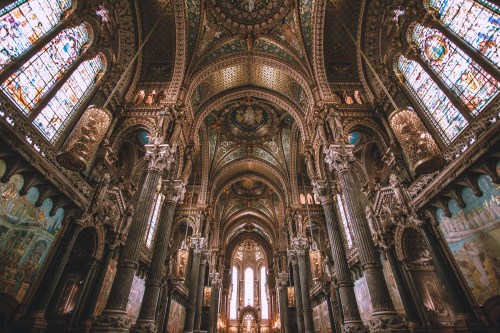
{"points": [[61, 108], [32, 81], [471, 83], [438, 108], [477, 23], [22, 23]]}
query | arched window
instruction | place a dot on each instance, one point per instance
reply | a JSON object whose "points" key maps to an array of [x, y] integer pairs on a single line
{"points": [[471, 83], [153, 221], [249, 287], [22, 23], [437, 107], [345, 221], [476, 22], [53, 118], [33, 80], [234, 295], [263, 294]]}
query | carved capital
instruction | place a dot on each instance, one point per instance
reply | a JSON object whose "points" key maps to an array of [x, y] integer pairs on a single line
{"points": [[299, 245], [113, 320], [144, 327], [339, 157], [215, 279], [159, 155], [282, 280], [199, 245], [322, 191], [384, 322], [173, 190], [353, 327]]}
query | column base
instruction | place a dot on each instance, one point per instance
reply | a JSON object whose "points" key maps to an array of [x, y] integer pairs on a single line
{"points": [[387, 323], [467, 323], [112, 321], [353, 327], [34, 322], [144, 326]]}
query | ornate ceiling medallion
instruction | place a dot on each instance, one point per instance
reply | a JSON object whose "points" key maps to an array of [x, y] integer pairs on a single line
{"points": [[249, 122], [249, 188], [250, 16]]}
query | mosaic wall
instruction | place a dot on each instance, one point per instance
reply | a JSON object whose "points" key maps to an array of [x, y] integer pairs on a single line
{"points": [[26, 235], [135, 298], [473, 236], [363, 299], [106, 288]]}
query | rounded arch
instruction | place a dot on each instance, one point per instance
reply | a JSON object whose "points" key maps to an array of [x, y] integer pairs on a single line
{"points": [[259, 239], [272, 97], [245, 217], [128, 126]]}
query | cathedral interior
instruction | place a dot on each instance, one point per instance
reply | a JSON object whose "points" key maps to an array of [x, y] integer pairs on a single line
{"points": [[244, 166]]}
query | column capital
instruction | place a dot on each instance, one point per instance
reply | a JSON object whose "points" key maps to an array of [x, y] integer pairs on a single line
{"points": [[173, 190], [282, 280], [339, 157], [199, 245], [323, 191], [300, 245], [215, 279], [159, 155]]}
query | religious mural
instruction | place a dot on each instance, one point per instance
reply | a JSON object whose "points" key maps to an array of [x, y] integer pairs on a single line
{"points": [[135, 298], [321, 318], [176, 318], [26, 234], [363, 299], [473, 235], [106, 288]]}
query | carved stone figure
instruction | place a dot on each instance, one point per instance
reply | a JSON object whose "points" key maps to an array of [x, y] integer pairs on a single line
{"points": [[310, 164], [188, 165], [371, 222], [321, 128]]}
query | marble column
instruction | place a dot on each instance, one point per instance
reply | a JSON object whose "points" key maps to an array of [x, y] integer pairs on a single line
{"points": [[283, 293], [199, 295], [351, 317], [173, 190], [198, 244], [214, 302], [384, 318], [114, 317], [35, 320], [300, 246], [298, 292]]}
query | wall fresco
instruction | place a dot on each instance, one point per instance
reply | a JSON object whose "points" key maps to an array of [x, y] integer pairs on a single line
{"points": [[363, 299], [135, 298], [106, 288], [176, 318], [26, 235], [473, 236], [321, 318]]}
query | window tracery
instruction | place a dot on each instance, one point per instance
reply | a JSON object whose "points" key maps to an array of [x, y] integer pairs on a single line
{"points": [[471, 83], [23, 22], [476, 22], [249, 283]]}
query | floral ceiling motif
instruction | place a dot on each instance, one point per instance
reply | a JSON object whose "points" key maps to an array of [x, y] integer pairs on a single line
{"points": [[250, 16], [249, 187]]}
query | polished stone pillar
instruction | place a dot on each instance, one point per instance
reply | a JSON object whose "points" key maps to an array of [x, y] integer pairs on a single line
{"points": [[198, 244], [352, 319], [300, 246], [173, 191], [283, 293], [214, 302], [35, 320], [298, 292], [114, 317], [199, 295], [384, 318]]}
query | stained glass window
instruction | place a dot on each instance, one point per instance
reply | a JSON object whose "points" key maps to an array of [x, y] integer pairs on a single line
{"points": [[344, 221], [234, 294], [437, 107], [249, 287], [52, 120], [22, 23], [477, 22], [263, 294], [471, 83], [32, 81], [153, 221]]}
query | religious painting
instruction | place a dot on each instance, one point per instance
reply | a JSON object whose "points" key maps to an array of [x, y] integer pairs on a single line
{"points": [[363, 299], [473, 236], [291, 297], [249, 117], [106, 287], [69, 295], [26, 235], [176, 318], [321, 318], [135, 298], [207, 292], [393, 288]]}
